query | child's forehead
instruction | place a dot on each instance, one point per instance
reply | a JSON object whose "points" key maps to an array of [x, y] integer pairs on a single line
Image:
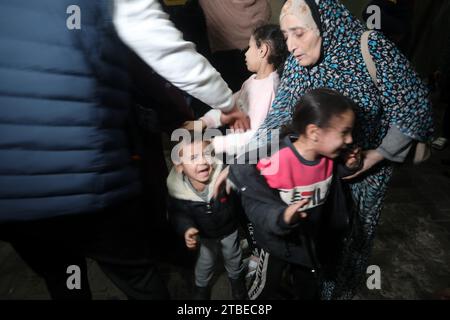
{"points": [[194, 147], [342, 120]]}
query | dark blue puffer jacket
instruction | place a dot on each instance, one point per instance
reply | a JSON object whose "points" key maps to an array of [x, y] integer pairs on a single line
{"points": [[64, 108]]}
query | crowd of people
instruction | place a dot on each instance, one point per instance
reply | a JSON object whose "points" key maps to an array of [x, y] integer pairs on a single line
{"points": [[71, 170]]}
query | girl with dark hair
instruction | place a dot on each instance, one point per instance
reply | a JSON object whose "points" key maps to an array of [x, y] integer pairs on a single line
{"points": [[295, 200], [271, 36], [229, 25], [265, 58]]}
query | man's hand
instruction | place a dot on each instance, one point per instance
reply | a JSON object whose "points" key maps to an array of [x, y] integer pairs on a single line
{"points": [[236, 119], [293, 214], [191, 238], [370, 158]]}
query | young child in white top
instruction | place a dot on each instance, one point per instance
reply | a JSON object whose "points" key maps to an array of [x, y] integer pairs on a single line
{"points": [[265, 57]]}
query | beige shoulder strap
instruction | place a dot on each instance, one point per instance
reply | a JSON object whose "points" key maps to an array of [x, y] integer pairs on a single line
{"points": [[368, 60]]}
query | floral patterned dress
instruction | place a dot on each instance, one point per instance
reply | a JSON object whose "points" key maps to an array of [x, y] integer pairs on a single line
{"points": [[400, 100]]}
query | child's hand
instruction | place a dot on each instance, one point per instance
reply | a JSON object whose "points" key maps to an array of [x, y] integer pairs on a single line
{"points": [[353, 159], [241, 125], [370, 159], [191, 238], [236, 119], [292, 214], [194, 125]]}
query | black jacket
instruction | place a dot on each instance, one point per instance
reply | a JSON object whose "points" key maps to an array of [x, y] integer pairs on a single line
{"points": [[215, 218], [293, 243]]}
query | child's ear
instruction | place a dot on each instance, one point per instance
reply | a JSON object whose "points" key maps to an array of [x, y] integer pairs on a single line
{"points": [[264, 50], [178, 167], [312, 132]]}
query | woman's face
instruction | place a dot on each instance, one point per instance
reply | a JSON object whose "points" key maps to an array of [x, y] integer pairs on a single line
{"points": [[304, 44]]}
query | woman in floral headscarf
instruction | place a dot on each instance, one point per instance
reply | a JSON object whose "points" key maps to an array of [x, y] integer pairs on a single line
{"points": [[325, 44]]}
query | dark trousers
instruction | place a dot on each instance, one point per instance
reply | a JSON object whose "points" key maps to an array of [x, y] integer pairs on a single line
{"points": [[119, 239], [300, 282]]}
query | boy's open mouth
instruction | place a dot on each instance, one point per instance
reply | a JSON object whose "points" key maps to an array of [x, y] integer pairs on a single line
{"points": [[203, 171]]}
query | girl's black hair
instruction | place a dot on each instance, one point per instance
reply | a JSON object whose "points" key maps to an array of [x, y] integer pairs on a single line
{"points": [[273, 37], [318, 106]]}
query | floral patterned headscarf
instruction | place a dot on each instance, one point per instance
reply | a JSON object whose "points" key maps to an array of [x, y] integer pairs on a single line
{"points": [[399, 99], [301, 10]]}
